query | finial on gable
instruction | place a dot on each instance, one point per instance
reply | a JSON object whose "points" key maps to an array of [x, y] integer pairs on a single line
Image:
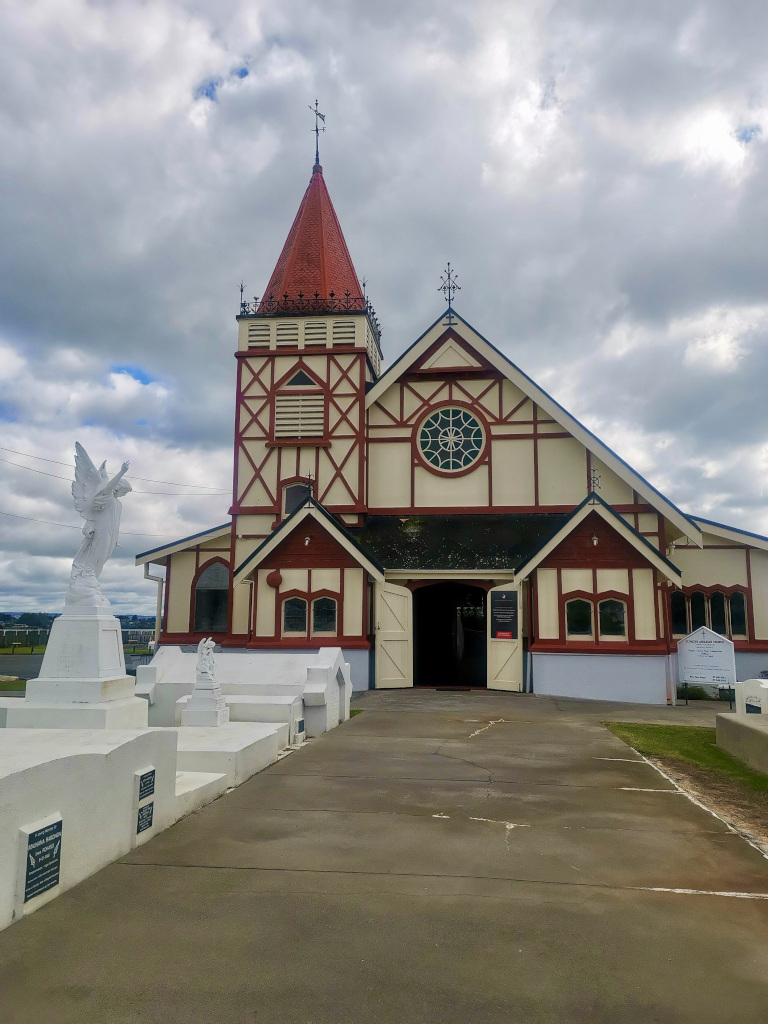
{"points": [[317, 129]]}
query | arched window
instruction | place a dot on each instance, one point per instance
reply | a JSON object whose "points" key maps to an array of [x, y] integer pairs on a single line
{"points": [[679, 608], [717, 612], [738, 609], [212, 599], [295, 615], [324, 615], [698, 610], [294, 496], [578, 618], [612, 615]]}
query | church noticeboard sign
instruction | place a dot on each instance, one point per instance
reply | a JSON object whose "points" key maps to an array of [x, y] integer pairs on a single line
{"points": [[144, 818], [706, 657], [43, 860], [146, 784], [504, 615]]}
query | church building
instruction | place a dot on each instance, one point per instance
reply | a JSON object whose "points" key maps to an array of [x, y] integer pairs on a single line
{"points": [[442, 520]]}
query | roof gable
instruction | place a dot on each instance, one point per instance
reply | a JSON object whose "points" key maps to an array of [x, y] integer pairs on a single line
{"points": [[572, 528], [284, 535], [488, 354]]}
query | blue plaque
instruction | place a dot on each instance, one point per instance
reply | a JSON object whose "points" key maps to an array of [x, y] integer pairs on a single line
{"points": [[300, 726], [146, 784], [43, 860], [144, 819]]}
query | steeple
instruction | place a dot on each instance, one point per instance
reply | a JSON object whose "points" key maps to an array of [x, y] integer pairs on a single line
{"points": [[315, 258]]}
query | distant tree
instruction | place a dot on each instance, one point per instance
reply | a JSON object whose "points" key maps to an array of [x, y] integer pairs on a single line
{"points": [[35, 620]]}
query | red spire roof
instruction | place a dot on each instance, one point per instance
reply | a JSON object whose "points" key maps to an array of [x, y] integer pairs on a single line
{"points": [[315, 257]]}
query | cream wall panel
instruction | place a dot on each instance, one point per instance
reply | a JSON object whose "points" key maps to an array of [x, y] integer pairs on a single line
{"points": [[511, 396], [377, 416], [577, 579], [326, 579], [613, 579], [711, 540], [218, 546], [180, 592], [306, 461], [265, 605], [390, 400], [547, 606], [549, 427], [258, 525], [758, 561], [433, 491], [645, 612], [728, 568], [562, 472], [255, 494], [389, 475], [513, 473], [246, 547], [353, 602], [647, 523], [612, 487], [294, 579], [241, 599]]}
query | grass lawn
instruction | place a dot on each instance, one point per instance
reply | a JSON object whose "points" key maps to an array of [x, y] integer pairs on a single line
{"points": [[24, 649], [691, 745], [13, 684], [356, 711]]}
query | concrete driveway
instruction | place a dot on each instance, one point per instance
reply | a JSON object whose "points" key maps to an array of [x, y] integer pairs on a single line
{"points": [[439, 858]]}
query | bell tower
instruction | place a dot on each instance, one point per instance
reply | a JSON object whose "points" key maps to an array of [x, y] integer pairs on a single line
{"points": [[306, 351]]}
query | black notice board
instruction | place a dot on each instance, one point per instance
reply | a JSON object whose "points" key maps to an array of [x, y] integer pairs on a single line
{"points": [[504, 614], [146, 784], [43, 860], [144, 819]]}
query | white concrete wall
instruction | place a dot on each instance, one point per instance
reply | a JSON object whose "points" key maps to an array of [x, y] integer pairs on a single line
{"points": [[86, 776], [639, 679]]}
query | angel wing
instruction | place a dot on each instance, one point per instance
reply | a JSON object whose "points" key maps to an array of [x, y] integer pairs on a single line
{"points": [[88, 481]]}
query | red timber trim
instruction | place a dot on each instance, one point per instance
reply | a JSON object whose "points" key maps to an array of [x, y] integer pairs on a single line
{"points": [[166, 596], [416, 371], [347, 436], [200, 568], [409, 510]]}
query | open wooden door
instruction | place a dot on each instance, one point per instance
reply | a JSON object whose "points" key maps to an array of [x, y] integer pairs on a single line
{"points": [[504, 616], [394, 636]]}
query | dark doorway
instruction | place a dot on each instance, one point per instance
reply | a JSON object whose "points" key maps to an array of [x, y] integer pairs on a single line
{"points": [[449, 635]]}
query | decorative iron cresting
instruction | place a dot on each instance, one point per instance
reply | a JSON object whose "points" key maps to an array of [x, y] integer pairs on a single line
{"points": [[291, 305]]}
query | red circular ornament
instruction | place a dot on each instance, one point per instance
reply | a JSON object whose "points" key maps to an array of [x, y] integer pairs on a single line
{"points": [[274, 579]]}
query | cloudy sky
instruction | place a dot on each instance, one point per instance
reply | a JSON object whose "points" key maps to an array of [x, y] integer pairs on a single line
{"points": [[596, 170]]}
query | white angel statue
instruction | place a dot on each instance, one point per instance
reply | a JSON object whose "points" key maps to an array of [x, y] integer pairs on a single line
{"points": [[206, 663], [96, 498]]}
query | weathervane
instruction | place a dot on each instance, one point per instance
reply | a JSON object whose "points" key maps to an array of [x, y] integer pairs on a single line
{"points": [[317, 129], [449, 287]]}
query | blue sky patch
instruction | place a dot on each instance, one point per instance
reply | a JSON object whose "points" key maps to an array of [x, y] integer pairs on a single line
{"points": [[133, 371], [208, 89], [747, 132]]}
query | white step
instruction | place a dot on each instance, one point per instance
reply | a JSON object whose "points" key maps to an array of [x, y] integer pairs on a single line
{"points": [[245, 707], [238, 749], [196, 789]]}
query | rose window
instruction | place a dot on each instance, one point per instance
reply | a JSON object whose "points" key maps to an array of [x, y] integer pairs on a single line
{"points": [[451, 439]]}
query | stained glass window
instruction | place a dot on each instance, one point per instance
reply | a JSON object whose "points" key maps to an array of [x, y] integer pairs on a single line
{"points": [[612, 618], [451, 439], [295, 615], [578, 617]]}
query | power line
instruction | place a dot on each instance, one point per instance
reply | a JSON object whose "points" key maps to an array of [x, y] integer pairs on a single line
{"points": [[146, 479], [68, 526], [42, 472]]}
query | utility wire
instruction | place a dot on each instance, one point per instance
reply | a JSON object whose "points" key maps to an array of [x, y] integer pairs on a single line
{"points": [[146, 479], [42, 472], [69, 526]]}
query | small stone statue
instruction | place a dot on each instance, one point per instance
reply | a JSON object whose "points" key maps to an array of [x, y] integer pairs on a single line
{"points": [[97, 499], [206, 663]]}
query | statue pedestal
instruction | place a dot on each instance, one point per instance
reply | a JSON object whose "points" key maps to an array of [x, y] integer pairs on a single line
{"points": [[82, 681], [206, 705]]}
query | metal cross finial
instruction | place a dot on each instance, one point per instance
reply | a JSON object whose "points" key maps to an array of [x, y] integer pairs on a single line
{"points": [[317, 129], [448, 285], [594, 482]]}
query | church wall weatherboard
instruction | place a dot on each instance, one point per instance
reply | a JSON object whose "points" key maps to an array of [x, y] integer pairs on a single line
{"points": [[444, 521]]}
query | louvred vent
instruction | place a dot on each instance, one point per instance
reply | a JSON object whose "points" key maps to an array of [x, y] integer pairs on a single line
{"points": [[300, 413]]}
